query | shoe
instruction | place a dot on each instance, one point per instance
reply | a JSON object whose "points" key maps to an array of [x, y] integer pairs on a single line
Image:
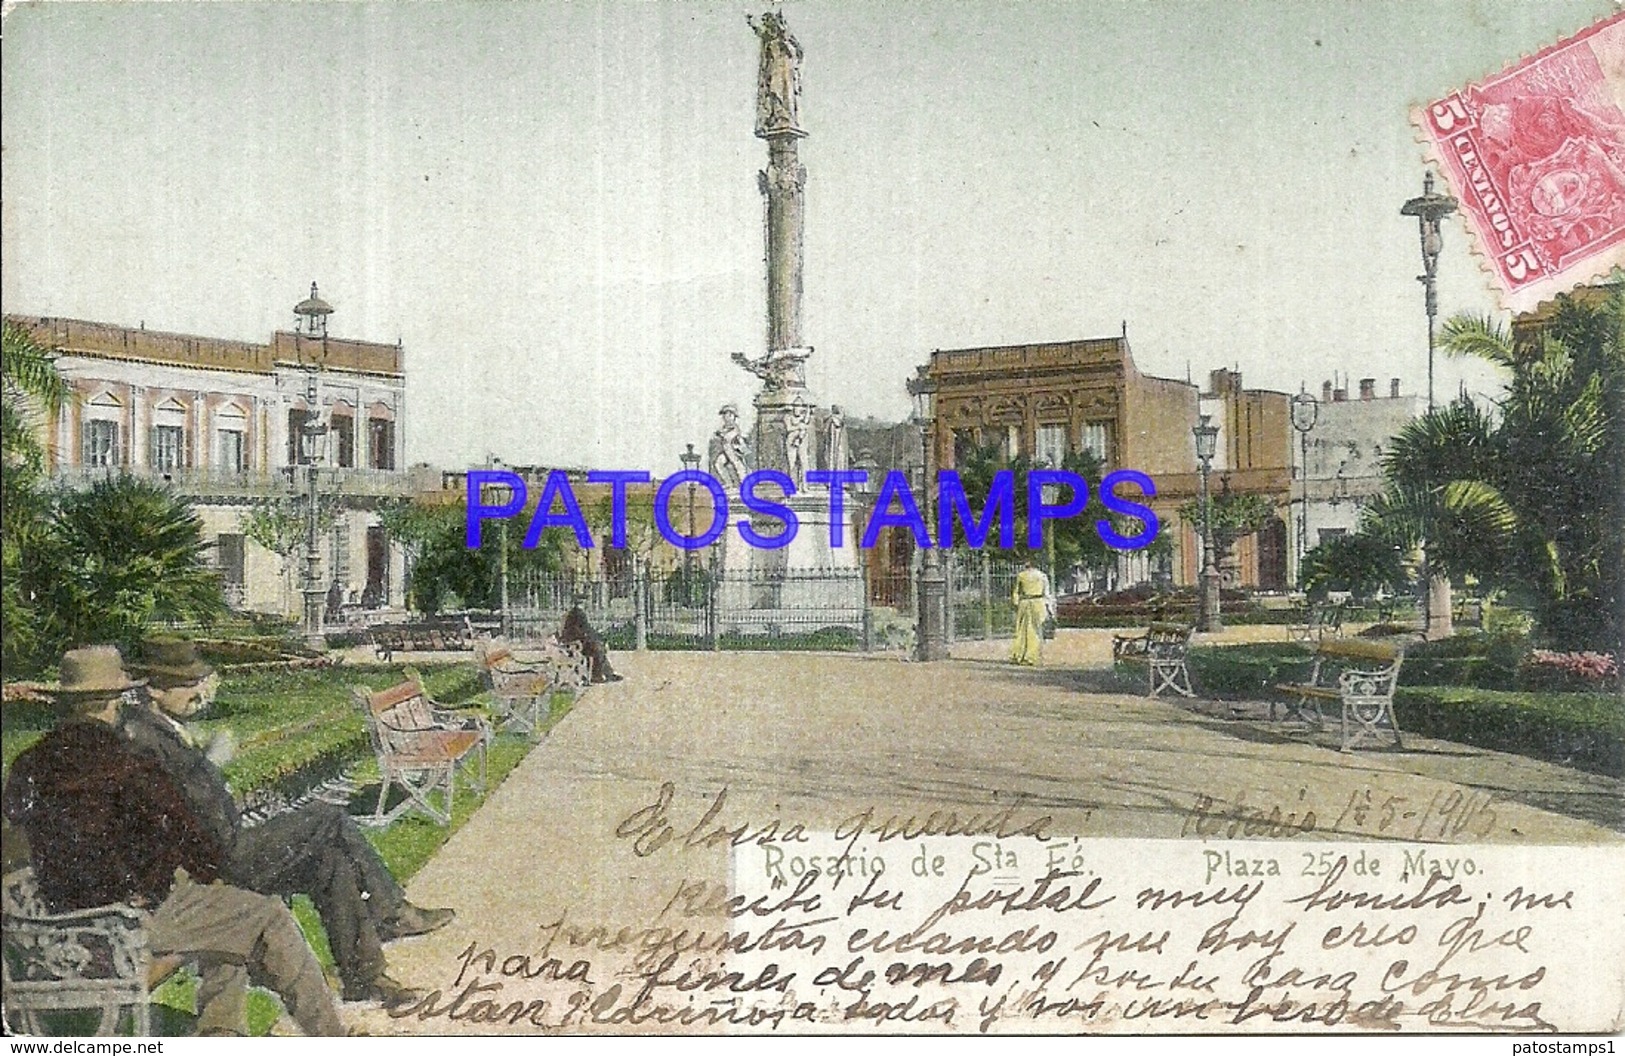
{"points": [[413, 920], [386, 991]]}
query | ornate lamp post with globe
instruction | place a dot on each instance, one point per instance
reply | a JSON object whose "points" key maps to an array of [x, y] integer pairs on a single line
{"points": [[310, 324], [1207, 442], [499, 495], [1430, 209]]}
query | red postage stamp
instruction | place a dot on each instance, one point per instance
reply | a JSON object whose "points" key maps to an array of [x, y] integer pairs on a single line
{"points": [[1536, 155]]}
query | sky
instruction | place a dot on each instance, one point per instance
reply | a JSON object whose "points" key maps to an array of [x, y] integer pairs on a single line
{"points": [[553, 206]]}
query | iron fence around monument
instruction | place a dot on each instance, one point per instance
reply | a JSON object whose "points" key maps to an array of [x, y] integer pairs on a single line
{"points": [[784, 609], [980, 583], [700, 608]]}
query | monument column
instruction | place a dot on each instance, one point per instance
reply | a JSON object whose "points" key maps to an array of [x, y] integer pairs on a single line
{"points": [[782, 185], [808, 582], [783, 407]]}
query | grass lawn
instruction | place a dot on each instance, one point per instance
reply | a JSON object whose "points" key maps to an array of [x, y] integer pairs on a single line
{"points": [[295, 729]]}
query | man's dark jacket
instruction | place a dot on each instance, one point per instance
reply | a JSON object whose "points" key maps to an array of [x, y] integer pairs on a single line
{"points": [[104, 823], [198, 779]]}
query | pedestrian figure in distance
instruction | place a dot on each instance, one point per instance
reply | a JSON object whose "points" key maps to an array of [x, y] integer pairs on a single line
{"points": [[1035, 603], [579, 631]]}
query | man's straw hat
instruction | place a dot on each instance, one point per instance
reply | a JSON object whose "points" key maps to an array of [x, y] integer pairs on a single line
{"points": [[94, 671]]}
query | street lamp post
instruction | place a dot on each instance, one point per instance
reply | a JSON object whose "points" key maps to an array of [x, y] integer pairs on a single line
{"points": [[1305, 410], [864, 489], [1208, 616], [1429, 210], [931, 636], [499, 496], [691, 462], [311, 325]]}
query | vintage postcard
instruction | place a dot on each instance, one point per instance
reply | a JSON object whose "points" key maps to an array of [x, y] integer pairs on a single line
{"points": [[813, 519]]}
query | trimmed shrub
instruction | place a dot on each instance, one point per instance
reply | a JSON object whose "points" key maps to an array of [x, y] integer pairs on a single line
{"points": [[1583, 730], [1249, 671]]}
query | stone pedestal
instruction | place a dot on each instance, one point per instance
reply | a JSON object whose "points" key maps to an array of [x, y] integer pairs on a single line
{"points": [[797, 588]]}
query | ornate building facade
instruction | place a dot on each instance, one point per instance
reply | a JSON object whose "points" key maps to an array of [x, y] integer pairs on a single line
{"points": [[221, 422], [1045, 401]]}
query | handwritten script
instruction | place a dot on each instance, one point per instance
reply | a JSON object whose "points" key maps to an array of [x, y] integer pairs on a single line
{"points": [[1016, 933]]}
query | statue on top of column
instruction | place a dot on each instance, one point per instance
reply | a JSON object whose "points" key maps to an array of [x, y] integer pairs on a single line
{"points": [[778, 86]]}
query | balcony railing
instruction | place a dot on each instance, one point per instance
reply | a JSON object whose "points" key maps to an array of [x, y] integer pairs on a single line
{"points": [[212, 482]]}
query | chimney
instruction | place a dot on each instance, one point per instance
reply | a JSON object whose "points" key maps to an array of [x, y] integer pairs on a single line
{"points": [[1393, 389], [1325, 392], [1340, 395], [1368, 388]]}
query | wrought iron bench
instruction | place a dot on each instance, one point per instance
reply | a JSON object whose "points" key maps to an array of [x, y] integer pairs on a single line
{"points": [[92, 960], [1361, 676], [1163, 649]]}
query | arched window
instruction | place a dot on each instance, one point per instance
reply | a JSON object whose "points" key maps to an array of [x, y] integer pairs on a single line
{"points": [[380, 436], [341, 428]]}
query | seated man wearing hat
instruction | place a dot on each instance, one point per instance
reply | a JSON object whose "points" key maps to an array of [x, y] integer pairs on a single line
{"points": [[316, 850], [105, 824]]}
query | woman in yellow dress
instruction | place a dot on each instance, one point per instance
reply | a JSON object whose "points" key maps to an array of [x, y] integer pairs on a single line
{"points": [[1034, 604]]}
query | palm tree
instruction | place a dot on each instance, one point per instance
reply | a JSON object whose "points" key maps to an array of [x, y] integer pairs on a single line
{"points": [[1436, 498], [1529, 498], [136, 555], [30, 386]]}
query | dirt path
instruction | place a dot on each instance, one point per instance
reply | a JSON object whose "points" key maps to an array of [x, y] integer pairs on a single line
{"points": [[817, 739]]}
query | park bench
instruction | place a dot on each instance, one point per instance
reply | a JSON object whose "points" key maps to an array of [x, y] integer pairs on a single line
{"points": [[1322, 619], [426, 636], [522, 690], [421, 748], [1361, 676], [1163, 649], [92, 960]]}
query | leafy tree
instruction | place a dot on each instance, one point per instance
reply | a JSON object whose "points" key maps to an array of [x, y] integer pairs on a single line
{"points": [[1076, 539], [30, 387], [445, 572], [280, 525], [1235, 516], [1361, 563]]}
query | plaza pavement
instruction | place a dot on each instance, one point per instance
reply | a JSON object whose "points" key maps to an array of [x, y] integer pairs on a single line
{"points": [[816, 738]]}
